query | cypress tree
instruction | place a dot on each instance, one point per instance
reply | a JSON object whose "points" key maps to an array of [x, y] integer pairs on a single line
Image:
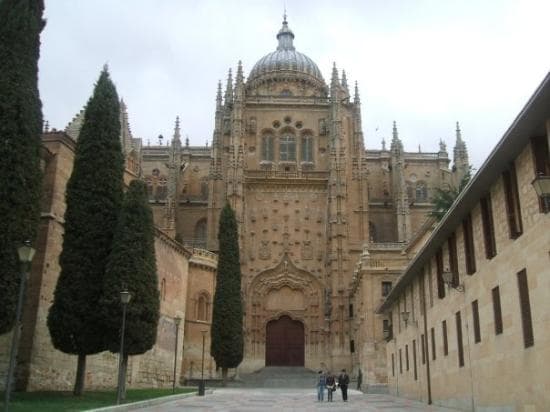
{"points": [[20, 128], [227, 317], [94, 197], [131, 266]]}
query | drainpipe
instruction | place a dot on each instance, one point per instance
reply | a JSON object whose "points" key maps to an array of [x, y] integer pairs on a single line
{"points": [[426, 351]]}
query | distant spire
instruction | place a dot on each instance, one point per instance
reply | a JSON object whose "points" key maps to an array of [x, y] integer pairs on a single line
{"points": [[229, 89], [344, 81], [219, 95], [356, 98], [460, 152], [187, 140], [46, 126], [285, 36]]}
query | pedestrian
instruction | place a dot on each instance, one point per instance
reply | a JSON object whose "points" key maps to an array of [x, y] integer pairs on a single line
{"points": [[359, 379], [321, 385], [343, 382], [331, 386]]}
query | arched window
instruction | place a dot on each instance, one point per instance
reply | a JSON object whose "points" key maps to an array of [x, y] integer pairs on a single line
{"points": [[307, 149], [287, 148], [200, 233], [203, 307], [421, 192], [267, 148]]}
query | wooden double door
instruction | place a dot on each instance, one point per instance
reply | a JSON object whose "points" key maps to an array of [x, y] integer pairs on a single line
{"points": [[284, 342]]}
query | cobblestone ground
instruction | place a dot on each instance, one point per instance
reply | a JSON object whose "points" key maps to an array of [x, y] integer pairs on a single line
{"points": [[287, 400]]}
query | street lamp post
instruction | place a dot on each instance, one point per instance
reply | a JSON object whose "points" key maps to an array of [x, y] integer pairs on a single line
{"points": [[25, 253], [125, 297], [201, 387], [177, 321]]}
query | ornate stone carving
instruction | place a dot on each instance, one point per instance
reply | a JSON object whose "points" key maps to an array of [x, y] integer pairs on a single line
{"points": [[264, 252]]}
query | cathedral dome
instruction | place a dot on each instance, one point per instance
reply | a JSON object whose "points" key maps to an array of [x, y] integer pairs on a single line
{"points": [[285, 60]]}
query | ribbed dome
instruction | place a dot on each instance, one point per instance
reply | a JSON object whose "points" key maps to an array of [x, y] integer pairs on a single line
{"points": [[285, 58]]}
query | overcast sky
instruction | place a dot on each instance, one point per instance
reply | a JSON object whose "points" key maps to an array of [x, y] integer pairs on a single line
{"points": [[425, 64]]}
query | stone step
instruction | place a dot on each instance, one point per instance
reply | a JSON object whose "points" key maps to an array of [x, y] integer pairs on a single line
{"points": [[278, 377]]}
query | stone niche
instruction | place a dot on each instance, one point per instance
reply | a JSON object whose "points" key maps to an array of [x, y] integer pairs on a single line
{"points": [[285, 298]]}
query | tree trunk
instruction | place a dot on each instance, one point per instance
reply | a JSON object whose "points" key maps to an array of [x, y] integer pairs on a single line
{"points": [[80, 373], [224, 377], [124, 370]]}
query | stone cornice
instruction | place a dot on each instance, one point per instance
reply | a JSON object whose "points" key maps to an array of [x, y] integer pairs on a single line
{"points": [[204, 258], [159, 234]]}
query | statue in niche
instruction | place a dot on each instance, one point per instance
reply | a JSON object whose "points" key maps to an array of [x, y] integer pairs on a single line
{"points": [[307, 250], [322, 127], [264, 252], [252, 125]]}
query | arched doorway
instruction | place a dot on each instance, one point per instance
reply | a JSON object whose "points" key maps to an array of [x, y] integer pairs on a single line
{"points": [[284, 342]]}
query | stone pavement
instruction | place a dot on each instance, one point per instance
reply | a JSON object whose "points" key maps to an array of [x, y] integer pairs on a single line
{"points": [[290, 400]]}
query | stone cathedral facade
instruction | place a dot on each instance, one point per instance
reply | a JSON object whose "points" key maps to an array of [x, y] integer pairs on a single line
{"points": [[320, 216]]}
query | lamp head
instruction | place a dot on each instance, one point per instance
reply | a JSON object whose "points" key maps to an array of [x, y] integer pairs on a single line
{"points": [[25, 252], [125, 297]]}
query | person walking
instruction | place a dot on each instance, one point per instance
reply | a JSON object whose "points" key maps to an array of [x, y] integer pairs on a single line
{"points": [[321, 385], [343, 382], [331, 386]]}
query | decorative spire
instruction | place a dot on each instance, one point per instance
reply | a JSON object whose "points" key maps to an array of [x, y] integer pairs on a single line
{"points": [[458, 134], [356, 98], [460, 152], [285, 36], [46, 126], [177, 133], [344, 81], [383, 144], [219, 95], [187, 140], [334, 80], [442, 146], [396, 143], [240, 78], [229, 89]]}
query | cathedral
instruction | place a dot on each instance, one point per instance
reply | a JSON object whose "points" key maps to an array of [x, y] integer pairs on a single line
{"points": [[326, 225], [288, 154]]}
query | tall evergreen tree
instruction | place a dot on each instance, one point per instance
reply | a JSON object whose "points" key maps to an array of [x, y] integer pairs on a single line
{"points": [[20, 127], [131, 266], [227, 318], [94, 197]]}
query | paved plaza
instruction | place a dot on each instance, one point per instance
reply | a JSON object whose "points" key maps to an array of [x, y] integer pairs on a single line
{"points": [[287, 400]]}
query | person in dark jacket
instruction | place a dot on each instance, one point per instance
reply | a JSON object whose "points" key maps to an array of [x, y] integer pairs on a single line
{"points": [[343, 382], [331, 386]]}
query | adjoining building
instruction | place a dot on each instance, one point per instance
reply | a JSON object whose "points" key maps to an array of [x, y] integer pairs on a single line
{"points": [[469, 318]]}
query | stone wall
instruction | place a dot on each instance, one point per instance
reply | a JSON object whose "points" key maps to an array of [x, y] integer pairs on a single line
{"points": [[40, 366]]}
